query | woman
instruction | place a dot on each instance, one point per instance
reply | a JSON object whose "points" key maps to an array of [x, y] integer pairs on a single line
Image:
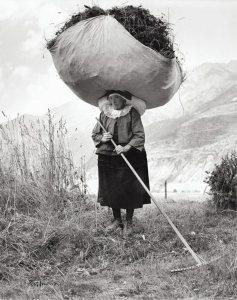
{"points": [[118, 186]]}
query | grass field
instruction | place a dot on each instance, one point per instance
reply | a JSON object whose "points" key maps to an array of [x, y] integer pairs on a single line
{"points": [[73, 257], [54, 243]]}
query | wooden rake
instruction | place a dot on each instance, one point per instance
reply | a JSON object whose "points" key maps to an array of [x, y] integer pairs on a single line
{"points": [[199, 261]]}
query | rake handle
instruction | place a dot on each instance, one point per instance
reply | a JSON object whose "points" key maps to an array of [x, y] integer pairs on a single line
{"points": [[194, 255]]}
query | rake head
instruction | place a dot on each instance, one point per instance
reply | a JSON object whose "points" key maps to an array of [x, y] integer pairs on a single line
{"points": [[199, 265]]}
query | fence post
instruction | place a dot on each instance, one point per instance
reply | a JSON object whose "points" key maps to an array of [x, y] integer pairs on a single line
{"points": [[165, 189]]}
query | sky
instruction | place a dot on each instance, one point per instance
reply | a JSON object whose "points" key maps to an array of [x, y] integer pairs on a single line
{"points": [[205, 31]]}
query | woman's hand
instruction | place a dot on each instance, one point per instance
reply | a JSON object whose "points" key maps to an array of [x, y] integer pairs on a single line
{"points": [[107, 136], [120, 149]]}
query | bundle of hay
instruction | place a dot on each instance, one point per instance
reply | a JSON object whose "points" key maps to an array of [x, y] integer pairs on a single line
{"points": [[150, 31], [85, 61]]}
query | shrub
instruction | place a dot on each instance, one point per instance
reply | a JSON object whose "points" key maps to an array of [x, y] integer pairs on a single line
{"points": [[223, 182]]}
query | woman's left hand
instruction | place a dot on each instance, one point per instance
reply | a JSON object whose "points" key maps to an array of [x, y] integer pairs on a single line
{"points": [[120, 149]]}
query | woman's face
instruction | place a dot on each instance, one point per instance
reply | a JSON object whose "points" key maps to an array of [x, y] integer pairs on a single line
{"points": [[117, 101]]}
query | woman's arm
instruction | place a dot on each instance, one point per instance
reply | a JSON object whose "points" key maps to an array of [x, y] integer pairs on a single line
{"points": [[98, 135], [138, 134]]}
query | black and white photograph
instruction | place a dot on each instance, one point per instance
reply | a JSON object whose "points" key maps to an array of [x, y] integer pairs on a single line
{"points": [[118, 149]]}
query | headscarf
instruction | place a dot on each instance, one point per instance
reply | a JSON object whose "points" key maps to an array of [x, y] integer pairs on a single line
{"points": [[131, 101]]}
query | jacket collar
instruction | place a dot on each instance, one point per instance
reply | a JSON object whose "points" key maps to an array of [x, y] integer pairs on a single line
{"points": [[110, 112]]}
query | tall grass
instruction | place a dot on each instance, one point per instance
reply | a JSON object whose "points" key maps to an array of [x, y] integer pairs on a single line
{"points": [[39, 193], [36, 165]]}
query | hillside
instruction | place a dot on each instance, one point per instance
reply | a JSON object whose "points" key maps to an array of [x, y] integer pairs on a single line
{"points": [[182, 149], [182, 145]]}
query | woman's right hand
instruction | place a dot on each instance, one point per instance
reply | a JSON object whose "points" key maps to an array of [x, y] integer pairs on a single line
{"points": [[107, 136]]}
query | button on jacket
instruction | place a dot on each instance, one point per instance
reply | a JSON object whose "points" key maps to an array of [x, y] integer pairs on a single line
{"points": [[127, 129]]}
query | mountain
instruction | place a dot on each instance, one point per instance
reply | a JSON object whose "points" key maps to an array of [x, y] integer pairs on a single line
{"points": [[183, 148]]}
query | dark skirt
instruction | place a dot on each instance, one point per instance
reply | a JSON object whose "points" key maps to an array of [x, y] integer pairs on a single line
{"points": [[118, 186]]}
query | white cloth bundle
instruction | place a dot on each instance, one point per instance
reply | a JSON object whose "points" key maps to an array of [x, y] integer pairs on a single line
{"points": [[99, 54]]}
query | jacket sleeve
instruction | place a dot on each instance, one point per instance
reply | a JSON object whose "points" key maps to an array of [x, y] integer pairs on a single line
{"points": [[97, 134], [138, 134]]}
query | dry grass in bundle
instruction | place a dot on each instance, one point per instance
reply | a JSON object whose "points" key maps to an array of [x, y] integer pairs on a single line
{"points": [[151, 31]]}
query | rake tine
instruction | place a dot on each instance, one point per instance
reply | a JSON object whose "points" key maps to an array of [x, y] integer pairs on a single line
{"points": [[186, 268], [205, 263]]}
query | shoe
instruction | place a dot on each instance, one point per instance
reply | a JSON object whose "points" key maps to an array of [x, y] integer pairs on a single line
{"points": [[128, 230], [116, 224]]}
